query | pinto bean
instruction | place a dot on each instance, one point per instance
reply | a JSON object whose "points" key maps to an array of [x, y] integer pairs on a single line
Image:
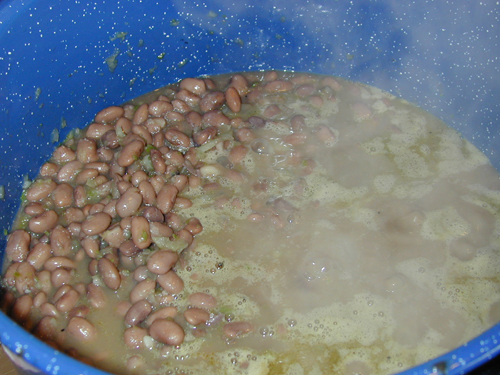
{"points": [[39, 299], [159, 229], [96, 224], [109, 273], [96, 130], [44, 281], [39, 254], [139, 177], [59, 261], [278, 86], [123, 125], [25, 278], [153, 214], [167, 332], [143, 132], [214, 118], [114, 236], [195, 316], [63, 195], [166, 198], [141, 273], [141, 114], [194, 119], [141, 235], [174, 221], [186, 236], [194, 226], [44, 222], [134, 336], [142, 290], [109, 114], [180, 107], [158, 163], [236, 329], [130, 153], [138, 312], [173, 157], [233, 99], [212, 100], [86, 151], [18, 245], [60, 276], [163, 313], [60, 292], [182, 203], [170, 282], [174, 116], [69, 171], [187, 97], [237, 154], [60, 241], [63, 154], [240, 83], [33, 209], [128, 248], [22, 308], [177, 138], [67, 301], [202, 301], [159, 108], [204, 135], [91, 246], [295, 139], [81, 311], [40, 189], [244, 135], [128, 204], [81, 329], [96, 296], [162, 261], [195, 85]]}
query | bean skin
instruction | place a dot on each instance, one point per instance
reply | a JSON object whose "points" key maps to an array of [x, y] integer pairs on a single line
{"points": [[236, 329], [142, 290], [40, 189], [163, 313], [86, 151], [25, 278], [214, 118], [109, 114], [96, 296], [130, 153], [48, 309], [39, 299], [18, 245], [204, 135], [240, 83], [138, 313], [182, 203], [159, 108], [60, 241], [212, 100], [67, 301], [60, 276], [160, 230], [202, 301], [91, 246], [171, 282], [96, 131], [148, 192], [33, 209], [123, 125], [114, 236], [278, 86], [167, 332], [177, 138], [128, 248], [63, 195], [68, 171], [134, 336], [54, 263], [179, 181], [195, 316], [162, 261], [186, 236], [141, 235], [128, 204], [194, 226], [81, 329], [109, 273], [187, 97], [22, 308], [63, 154], [96, 224], [166, 198], [44, 222], [233, 99], [153, 214]]}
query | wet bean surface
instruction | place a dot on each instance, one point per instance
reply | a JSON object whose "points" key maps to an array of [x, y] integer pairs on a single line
{"points": [[258, 223]]}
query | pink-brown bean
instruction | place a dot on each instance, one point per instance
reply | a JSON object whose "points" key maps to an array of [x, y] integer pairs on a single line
{"points": [[174, 221], [180, 181], [182, 203], [158, 163], [60, 292], [194, 119], [167, 332], [240, 83], [85, 175], [109, 273], [96, 296], [114, 236], [187, 97], [143, 132], [86, 151], [141, 235], [97, 130], [142, 290], [148, 192], [128, 248], [168, 312], [105, 154], [25, 278], [99, 166], [202, 301], [204, 135], [173, 157], [195, 316], [153, 214], [60, 241], [63, 154], [278, 86], [44, 281], [237, 329], [214, 118], [154, 126], [212, 100], [159, 229], [162, 261], [62, 195], [91, 246], [44, 222], [49, 170], [22, 308], [130, 153], [67, 301], [18, 245], [173, 117], [157, 182], [40, 189], [159, 108], [81, 329], [60, 276], [233, 99], [180, 107], [92, 267], [59, 261], [141, 114], [74, 215], [186, 236], [82, 311], [166, 198], [134, 336], [237, 154], [194, 226], [123, 125], [138, 312], [109, 114], [96, 224], [171, 282], [68, 171], [194, 85], [141, 273], [39, 254], [33, 209], [128, 204], [39, 299], [177, 138], [244, 135]]}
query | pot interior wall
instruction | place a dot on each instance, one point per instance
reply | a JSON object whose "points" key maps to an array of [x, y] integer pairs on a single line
{"points": [[62, 61]]}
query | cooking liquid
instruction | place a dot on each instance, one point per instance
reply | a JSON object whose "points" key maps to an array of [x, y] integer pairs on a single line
{"points": [[360, 235]]}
